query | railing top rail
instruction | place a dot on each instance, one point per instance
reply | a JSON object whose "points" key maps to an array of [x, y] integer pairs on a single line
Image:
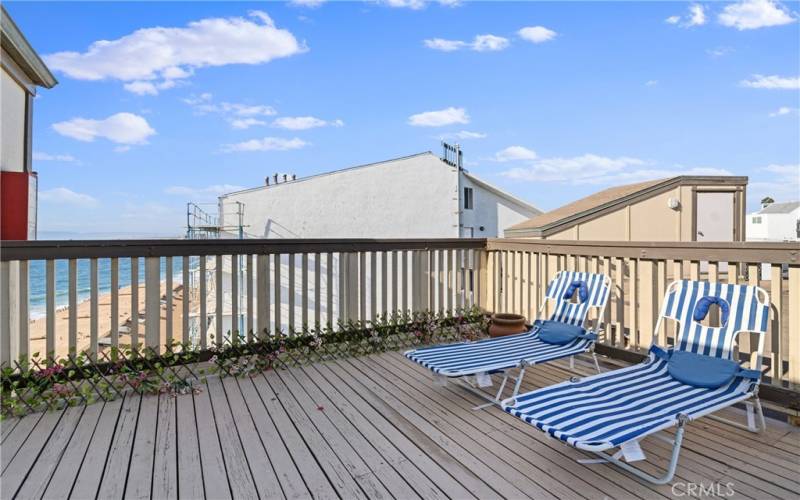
{"points": [[737, 251], [85, 249]]}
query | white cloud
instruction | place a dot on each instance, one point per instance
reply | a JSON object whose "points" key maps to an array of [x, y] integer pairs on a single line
{"points": [[62, 195], [578, 169], [444, 45], [489, 43], [695, 17], [267, 144], [782, 111], [772, 82], [122, 128], [481, 43], [651, 83], [313, 4], [208, 191], [515, 153], [153, 59], [440, 118], [418, 4], [40, 156], [304, 122], [245, 123], [754, 14], [719, 51], [463, 135], [404, 4], [536, 34], [140, 87], [240, 116], [780, 181], [597, 169]]}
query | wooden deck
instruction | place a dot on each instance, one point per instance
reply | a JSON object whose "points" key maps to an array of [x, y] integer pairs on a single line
{"points": [[367, 427]]}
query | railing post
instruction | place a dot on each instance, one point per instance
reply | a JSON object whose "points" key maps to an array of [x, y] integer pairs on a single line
{"points": [[6, 304], [152, 303], [262, 291], [794, 324], [485, 280], [646, 303]]}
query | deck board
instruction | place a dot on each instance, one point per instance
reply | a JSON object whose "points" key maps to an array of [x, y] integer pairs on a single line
{"points": [[215, 479], [47, 461], [240, 476], [165, 462], [25, 458], [91, 469], [373, 427], [190, 474], [266, 482], [64, 475], [118, 463]]}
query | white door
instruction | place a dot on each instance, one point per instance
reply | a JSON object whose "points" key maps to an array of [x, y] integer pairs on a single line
{"points": [[714, 216]]}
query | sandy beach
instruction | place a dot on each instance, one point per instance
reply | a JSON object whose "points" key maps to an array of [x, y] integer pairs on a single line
{"points": [[38, 330]]}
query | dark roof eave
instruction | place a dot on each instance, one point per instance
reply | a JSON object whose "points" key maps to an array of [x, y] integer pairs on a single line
{"points": [[17, 46]]}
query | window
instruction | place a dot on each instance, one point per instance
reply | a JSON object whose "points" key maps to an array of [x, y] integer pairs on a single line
{"points": [[468, 198], [756, 220]]}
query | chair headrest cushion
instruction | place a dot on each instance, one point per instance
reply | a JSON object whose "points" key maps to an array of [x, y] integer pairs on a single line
{"points": [[704, 304], [557, 333], [580, 286], [699, 370]]}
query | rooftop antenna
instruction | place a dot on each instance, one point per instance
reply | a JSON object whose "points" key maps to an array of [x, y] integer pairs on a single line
{"points": [[452, 155]]}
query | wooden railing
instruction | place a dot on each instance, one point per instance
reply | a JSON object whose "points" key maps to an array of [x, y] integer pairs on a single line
{"points": [[640, 272], [199, 291]]}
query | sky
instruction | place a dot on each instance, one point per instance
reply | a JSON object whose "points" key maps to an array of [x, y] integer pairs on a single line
{"points": [[159, 104]]}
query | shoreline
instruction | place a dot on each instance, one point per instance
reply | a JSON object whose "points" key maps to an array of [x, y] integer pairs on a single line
{"points": [[38, 311], [38, 326]]}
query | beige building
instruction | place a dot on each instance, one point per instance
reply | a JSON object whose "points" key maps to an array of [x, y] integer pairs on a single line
{"points": [[23, 71], [684, 208]]}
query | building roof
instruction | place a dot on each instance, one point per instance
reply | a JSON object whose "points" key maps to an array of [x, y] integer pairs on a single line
{"points": [[499, 192], [17, 46], [780, 208], [323, 174], [608, 200], [474, 179]]}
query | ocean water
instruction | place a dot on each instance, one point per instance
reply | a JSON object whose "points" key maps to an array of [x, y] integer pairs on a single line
{"points": [[37, 285]]}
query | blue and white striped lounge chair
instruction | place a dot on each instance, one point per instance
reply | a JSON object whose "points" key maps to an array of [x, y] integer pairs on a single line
{"points": [[694, 378], [485, 358]]}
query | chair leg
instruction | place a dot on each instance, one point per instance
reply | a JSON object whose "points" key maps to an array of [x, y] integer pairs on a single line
{"points": [[596, 363], [761, 420], [756, 423], [518, 383], [490, 401], [673, 462]]}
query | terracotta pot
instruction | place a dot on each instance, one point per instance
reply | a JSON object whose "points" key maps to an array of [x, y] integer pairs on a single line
{"points": [[503, 324]]}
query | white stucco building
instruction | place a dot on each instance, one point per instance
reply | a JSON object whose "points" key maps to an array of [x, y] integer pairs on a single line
{"points": [[775, 222], [417, 196]]}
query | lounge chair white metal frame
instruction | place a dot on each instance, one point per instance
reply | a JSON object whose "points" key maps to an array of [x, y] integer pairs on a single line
{"points": [[724, 347], [563, 309]]}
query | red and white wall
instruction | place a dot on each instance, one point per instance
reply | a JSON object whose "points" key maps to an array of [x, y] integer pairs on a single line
{"points": [[18, 182]]}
